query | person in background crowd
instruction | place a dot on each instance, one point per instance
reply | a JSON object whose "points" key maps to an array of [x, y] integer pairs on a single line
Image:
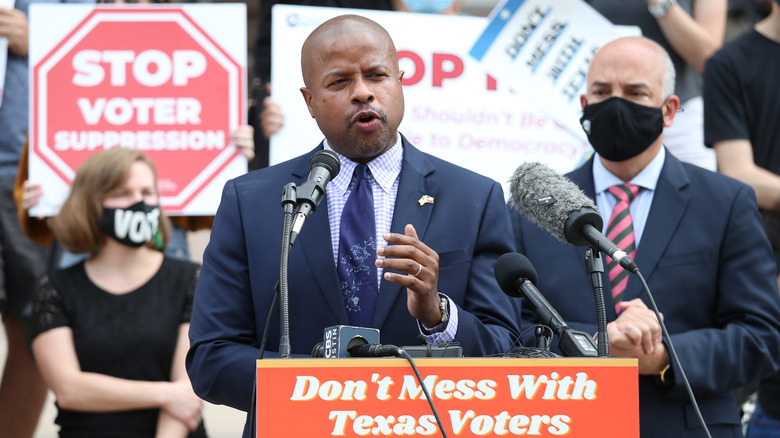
{"points": [[110, 333], [697, 238], [742, 110], [22, 390], [690, 31], [444, 7], [28, 193]]}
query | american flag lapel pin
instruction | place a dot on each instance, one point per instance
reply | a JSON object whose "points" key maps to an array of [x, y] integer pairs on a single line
{"points": [[425, 199]]}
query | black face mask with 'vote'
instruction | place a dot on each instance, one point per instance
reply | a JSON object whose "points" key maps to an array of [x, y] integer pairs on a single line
{"points": [[619, 129], [133, 226]]}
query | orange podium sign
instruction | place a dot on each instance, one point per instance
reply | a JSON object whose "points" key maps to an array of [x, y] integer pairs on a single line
{"points": [[473, 397]]}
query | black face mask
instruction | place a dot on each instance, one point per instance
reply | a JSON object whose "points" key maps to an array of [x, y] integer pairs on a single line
{"points": [[133, 226], [618, 129]]}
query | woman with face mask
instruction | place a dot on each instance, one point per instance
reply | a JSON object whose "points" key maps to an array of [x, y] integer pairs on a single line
{"points": [[110, 333], [28, 193]]}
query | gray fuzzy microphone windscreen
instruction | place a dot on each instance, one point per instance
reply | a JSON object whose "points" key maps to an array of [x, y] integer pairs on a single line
{"points": [[546, 197]]}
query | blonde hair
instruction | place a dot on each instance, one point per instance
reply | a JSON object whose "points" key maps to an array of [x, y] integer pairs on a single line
{"points": [[77, 225]]}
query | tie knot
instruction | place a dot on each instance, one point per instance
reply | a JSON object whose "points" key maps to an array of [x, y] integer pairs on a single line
{"points": [[361, 172], [624, 192]]}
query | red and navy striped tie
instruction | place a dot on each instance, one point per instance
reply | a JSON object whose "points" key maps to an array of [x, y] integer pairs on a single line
{"points": [[621, 231]]}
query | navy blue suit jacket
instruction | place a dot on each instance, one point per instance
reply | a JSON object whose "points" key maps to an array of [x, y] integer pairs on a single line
{"points": [[709, 266], [467, 225]]}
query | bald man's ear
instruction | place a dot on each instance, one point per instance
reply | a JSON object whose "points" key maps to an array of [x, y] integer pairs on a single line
{"points": [[401, 76], [669, 109], [583, 101], [307, 98]]}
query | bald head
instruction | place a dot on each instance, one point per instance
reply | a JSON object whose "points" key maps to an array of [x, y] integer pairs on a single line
{"points": [[353, 86], [624, 76], [650, 54], [360, 28]]}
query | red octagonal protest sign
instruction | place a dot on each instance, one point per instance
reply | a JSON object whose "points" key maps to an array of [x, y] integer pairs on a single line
{"points": [[149, 79]]}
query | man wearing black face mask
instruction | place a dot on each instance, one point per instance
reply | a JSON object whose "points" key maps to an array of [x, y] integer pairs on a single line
{"points": [[696, 236]]}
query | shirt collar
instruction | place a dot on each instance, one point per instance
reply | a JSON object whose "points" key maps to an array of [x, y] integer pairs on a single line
{"points": [[384, 168], [647, 179]]}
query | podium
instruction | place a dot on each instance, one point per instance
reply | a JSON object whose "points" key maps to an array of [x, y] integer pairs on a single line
{"points": [[474, 397]]}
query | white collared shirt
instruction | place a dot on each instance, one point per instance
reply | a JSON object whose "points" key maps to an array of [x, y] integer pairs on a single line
{"points": [[640, 206]]}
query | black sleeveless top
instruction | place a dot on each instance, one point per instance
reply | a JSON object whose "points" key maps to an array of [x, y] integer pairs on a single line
{"points": [[129, 336]]}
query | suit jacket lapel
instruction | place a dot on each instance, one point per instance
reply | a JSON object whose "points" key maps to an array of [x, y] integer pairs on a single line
{"points": [[414, 182], [669, 203], [315, 244]]}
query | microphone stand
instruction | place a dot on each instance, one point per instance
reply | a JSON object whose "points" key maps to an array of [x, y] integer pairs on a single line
{"points": [[289, 201], [595, 267]]}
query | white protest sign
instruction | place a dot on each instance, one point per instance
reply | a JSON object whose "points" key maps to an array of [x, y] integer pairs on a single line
{"points": [[542, 49], [453, 109], [168, 80]]}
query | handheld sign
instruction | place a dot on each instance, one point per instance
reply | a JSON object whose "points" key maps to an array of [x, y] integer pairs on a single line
{"points": [[168, 81]]}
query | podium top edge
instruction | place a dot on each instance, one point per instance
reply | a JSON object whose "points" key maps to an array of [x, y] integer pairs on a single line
{"points": [[450, 362]]}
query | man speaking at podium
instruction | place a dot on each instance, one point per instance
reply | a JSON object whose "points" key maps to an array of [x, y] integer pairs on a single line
{"points": [[419, 261], [699, 243]]}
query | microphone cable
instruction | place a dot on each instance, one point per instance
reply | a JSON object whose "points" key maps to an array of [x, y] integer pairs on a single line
{"points": [[673, 354], [543, 336], [253, 408], [378, 350], [448, 346], [540, 330], [409, 359]]}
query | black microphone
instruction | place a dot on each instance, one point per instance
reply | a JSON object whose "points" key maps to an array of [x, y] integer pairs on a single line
{"points": [[517, 278], [324, 166], [374, 350], [556, 204]]}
